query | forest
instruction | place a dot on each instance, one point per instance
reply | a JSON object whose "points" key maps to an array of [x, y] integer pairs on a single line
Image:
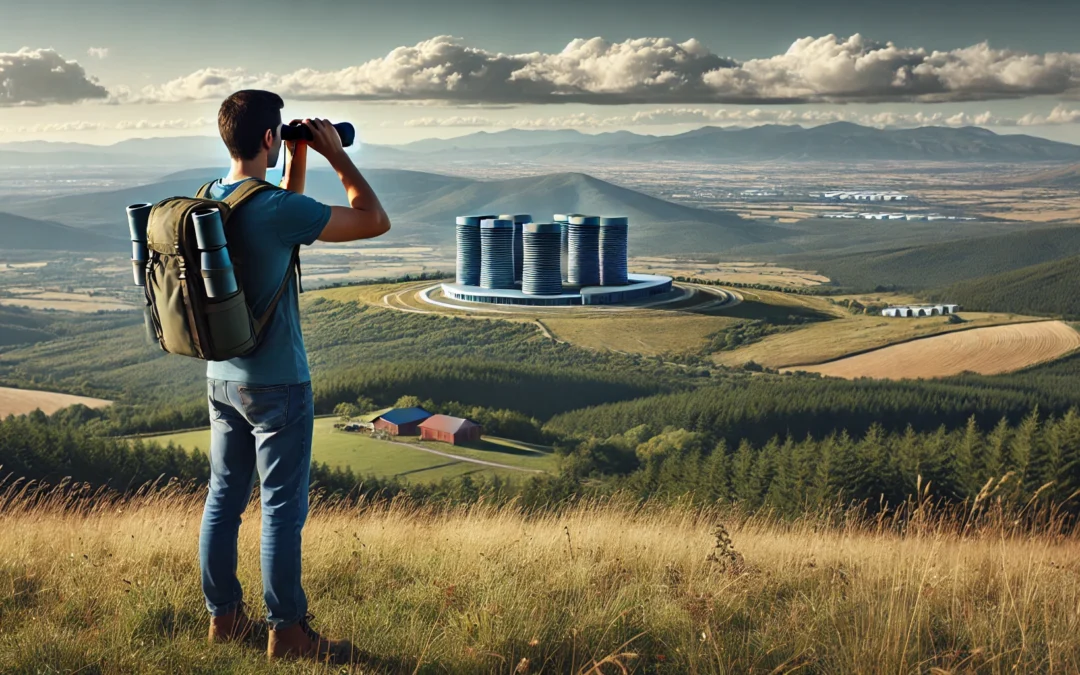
{"points": [[621, 422]]}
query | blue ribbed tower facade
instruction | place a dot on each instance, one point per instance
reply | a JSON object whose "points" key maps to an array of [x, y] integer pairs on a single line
{"points": [[542, 249], [469, 249], [613, 251], [497, 254], [519, 256], [583, 265]]}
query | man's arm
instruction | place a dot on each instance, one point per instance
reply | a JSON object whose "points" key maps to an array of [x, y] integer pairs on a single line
{"points": [[364, 218]]}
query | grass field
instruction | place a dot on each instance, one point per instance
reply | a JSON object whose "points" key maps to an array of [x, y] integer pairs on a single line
{"points": [[23, 401], [767, 274], [599, 588], [367, 456], [988, 351], [852, 333]]}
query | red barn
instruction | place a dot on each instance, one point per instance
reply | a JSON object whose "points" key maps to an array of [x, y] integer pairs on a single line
{"points": [[401, 421], [453, 430]]}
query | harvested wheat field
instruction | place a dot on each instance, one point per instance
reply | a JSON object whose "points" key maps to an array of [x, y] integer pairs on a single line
{"points": [[22, 401], [987, 351]]}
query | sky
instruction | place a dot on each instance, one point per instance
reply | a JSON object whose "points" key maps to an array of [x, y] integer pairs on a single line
{"points": [[101, 71]]}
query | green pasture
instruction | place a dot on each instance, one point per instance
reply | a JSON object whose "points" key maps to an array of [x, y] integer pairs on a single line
{"points": [[368, 456]]}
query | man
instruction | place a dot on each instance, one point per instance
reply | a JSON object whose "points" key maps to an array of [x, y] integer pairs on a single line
{"points": [[261, 410]]}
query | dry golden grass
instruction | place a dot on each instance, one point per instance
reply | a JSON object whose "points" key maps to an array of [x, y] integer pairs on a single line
{"points": [[598, 588], [851, 333], [647, 333], [734, 272], [988, 351], [23, 401]]}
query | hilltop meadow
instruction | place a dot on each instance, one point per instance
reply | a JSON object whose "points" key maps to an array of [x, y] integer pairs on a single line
{"points": [[595, 586]]}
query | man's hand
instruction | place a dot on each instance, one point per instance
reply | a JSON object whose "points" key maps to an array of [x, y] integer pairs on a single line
{"points": [[292, 145], [326, 140]]}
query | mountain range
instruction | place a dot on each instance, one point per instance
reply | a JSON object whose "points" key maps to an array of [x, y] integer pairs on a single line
{"points": [[838, 142]]}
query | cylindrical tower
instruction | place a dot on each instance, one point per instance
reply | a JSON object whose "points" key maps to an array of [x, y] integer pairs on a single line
{"points": [[542, 252], [613, 251], [563, 221], [519, 222], [584, 256], [468, 250], [497, 255]]}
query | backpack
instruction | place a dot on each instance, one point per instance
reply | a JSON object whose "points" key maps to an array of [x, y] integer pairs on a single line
{"points": [[185, 320]]}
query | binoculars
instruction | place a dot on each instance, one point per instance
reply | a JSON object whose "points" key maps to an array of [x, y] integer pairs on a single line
{"points": [[301, 132]]}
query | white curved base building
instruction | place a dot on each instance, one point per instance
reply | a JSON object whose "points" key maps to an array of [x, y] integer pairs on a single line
{"points": [[920, 310]]}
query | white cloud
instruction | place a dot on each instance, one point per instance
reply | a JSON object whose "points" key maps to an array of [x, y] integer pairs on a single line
{"points": [[98, 52], [31, 77], [751, 116], [657, 70], [125, 125]]}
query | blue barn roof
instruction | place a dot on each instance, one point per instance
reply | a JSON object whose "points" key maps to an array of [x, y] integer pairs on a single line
{"points": [[401, 416]]}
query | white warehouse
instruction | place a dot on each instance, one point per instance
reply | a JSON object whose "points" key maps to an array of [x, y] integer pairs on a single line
{"points": [[920, 310]]}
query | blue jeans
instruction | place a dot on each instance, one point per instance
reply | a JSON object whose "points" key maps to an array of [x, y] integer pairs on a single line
{"points": [[264, 432]]}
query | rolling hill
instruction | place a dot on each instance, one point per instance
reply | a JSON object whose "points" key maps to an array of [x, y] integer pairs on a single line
{"points": [[19, 233], [423, 207], [1048, 288], [937, 265]]}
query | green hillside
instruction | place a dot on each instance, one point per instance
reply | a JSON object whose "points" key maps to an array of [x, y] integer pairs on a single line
{"points": [[20, 233], [1049, 288], [660, 225], [938, 265], [423, 206]]}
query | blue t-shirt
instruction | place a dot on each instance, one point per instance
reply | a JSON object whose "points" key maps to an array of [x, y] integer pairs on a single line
{"points": [[263, 233]]}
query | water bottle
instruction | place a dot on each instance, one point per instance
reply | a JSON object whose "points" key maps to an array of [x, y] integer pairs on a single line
{"points": [[217, 270]]}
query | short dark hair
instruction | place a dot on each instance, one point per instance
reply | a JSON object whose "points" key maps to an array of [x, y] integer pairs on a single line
{"points": [[243, 119]]}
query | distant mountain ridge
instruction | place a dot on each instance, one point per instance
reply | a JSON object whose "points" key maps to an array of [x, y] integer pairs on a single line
{"points": [[839, 141], [836, 142]]}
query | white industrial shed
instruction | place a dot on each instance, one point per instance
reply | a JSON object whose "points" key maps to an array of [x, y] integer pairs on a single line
{"points": [[920, 310]]}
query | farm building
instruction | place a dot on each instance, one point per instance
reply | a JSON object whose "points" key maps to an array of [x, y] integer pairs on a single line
{"points": [[447, 429], [401, 421], [920, 310]]}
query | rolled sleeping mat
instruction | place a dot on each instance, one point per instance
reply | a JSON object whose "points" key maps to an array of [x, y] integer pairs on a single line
{"points": [[138, 216], [218, 259], [148, 326], [209, 230], [138, 271], [219, 283]]}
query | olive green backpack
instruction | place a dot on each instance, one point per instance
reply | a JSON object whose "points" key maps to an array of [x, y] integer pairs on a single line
{"points": [[185, 320]]}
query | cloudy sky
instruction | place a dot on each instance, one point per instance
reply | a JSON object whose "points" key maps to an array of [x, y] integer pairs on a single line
{"points": [[100, 71]]}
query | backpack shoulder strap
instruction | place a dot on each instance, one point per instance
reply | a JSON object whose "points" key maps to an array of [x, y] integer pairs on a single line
{"points": [[246, 191], [204, 191], [294, 264], [235, 200]]}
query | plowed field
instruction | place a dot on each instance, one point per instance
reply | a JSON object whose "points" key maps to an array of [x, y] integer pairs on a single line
{"points": [[992, 350], [22, 401]]}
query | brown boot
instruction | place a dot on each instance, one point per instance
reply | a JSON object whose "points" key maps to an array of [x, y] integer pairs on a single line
{"points": [[235, 626], [301, 641]]}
